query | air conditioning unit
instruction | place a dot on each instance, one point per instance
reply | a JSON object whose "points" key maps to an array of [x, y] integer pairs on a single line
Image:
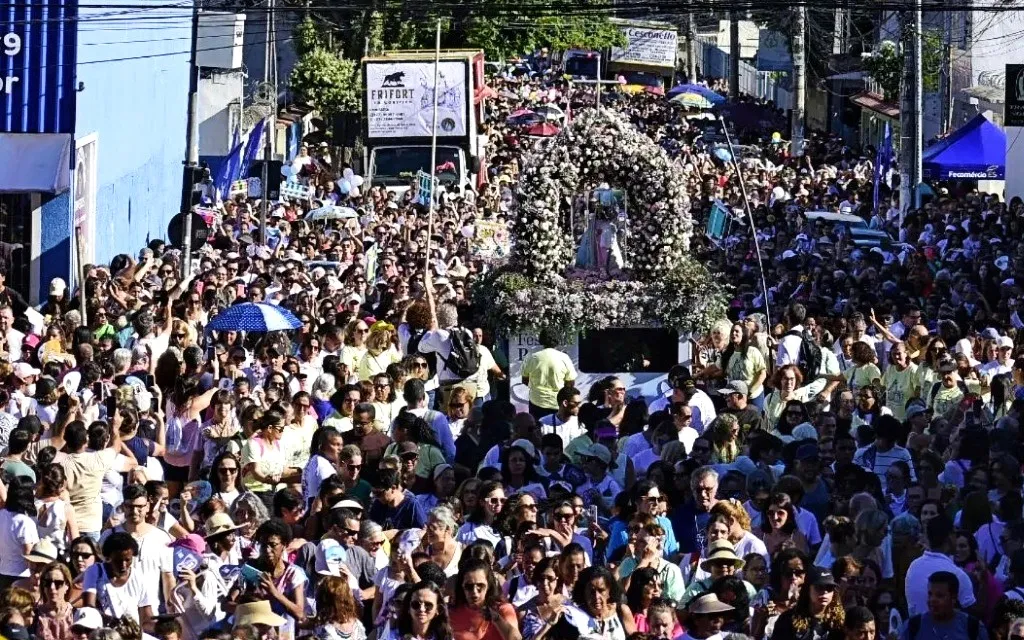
{"points": [[220, 40]]}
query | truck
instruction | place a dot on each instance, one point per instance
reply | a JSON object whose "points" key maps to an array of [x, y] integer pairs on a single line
{"points": [[647, 62], [399, 108]]}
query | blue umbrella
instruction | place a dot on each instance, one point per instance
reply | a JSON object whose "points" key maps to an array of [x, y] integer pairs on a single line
{"points": [[712, 96], [254, 316]]}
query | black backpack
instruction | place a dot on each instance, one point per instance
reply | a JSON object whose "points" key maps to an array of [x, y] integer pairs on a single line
{"points": [[808, 357], [464, 359], [914, 627], [414, 347], [937, 386]]}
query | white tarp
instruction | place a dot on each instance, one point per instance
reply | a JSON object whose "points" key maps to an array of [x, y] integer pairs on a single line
{"points": [[646, 46], [35, 162], [400, 99]]}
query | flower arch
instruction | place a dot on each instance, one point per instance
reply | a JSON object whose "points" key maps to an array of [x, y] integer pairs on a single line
{"points": [[662, 286]]}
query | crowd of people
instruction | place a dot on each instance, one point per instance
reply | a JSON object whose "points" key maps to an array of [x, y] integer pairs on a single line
{"points": [[840, 459]]}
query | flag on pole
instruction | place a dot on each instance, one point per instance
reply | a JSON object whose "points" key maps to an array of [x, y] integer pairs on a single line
{"points": [[238, 161], [883, 161]]}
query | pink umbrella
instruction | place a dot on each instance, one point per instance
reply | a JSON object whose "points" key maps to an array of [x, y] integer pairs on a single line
{"points": [[544, 129]]}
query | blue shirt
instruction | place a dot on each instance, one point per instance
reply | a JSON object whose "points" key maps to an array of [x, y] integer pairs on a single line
{"points": [[408, 514], [620, 536], [932, 630], [690, 527]]}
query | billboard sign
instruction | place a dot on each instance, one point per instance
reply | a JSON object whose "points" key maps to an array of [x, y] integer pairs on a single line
{"points": [[400, 99], [647, 46]]}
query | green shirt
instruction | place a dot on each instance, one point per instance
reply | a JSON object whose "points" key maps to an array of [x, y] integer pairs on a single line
{"points": [[547, 371], [669, 576]]}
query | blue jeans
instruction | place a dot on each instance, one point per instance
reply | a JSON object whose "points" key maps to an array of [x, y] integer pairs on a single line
{"points": [[758, 401]]}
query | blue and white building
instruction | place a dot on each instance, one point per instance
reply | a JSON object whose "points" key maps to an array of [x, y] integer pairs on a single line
{"points": [[93, 108]]}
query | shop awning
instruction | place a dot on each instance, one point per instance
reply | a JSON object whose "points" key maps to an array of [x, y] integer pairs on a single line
{"points": [[876, 103], [35, 162]]}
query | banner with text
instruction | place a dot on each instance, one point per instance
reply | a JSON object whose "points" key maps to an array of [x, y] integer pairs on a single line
{"points": [[652, 47]]}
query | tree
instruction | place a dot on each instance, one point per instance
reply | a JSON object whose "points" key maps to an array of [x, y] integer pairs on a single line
{"points": [[326, 81], [886, 65]]}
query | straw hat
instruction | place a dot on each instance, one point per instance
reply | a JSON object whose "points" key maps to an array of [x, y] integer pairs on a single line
{"points": [[42, 552], [219, 524], [708, 603], [257, 613], [720, 550]]}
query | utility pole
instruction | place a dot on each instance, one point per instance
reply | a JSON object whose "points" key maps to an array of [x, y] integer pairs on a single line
{"points": [[947, 72], [691, 48], [734, 54], [917, 173], [269, 60], [799, 80], [191, 163], [907, 145]]}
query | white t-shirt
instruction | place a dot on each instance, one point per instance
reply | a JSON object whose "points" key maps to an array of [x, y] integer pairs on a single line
{"points": [[155, 557], [567, 430], [917, 581], [483, 385], [317, 470], [127, 599], [16, 531]]}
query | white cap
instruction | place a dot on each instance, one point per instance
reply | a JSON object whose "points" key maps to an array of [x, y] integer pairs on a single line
{"points": [[1005, 342], [87, 618], [58, 287], [23, 370]]}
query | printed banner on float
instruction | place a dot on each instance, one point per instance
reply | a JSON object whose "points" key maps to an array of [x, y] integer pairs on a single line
{"points": [[400, 99]]}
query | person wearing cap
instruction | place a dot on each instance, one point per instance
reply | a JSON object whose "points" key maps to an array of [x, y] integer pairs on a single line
{"points": [[84, 621], [706, 616], [818, 613], [1002, 364], [199, 590], [600, 488], [737, 404], [415, 445], [684, 389], [22, 388]]}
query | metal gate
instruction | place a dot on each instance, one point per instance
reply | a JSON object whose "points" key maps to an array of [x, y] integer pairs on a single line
{"points": [[16, 229]]}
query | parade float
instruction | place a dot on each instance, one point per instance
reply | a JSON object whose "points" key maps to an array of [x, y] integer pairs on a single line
{"points": [[622, 260]]}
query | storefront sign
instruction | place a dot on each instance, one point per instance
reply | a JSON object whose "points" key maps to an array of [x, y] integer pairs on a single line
{"points": [[1013, 111], [38, 44]]}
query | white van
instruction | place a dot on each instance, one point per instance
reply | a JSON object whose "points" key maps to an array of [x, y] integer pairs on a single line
{"points": [[640, 357]]}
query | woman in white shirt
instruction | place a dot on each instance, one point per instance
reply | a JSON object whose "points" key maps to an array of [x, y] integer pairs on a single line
{"points": [[18, 532], [480, 523]]}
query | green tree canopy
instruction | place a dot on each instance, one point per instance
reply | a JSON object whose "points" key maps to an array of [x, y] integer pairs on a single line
{"points": [[327, 81]]}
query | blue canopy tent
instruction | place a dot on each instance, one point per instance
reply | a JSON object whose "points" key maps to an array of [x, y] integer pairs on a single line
{"points": [[975, 151]]}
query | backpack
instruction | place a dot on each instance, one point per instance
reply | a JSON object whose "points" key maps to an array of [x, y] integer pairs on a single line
{"points": [[914, 627], [808, 356], [414, 348], [937, 386], [464, 359]]}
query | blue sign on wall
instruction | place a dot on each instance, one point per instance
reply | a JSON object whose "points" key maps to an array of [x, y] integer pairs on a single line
{"points": [[38, 47]]}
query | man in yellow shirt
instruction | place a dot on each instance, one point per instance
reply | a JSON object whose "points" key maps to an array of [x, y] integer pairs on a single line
{"points": [[545, 372]]}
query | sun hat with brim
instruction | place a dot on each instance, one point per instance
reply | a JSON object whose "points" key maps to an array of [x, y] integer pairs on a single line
{"points": [[708, 603], [597, 452], [42, 552], [220, 524], [257, 613], [721, 551]]}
